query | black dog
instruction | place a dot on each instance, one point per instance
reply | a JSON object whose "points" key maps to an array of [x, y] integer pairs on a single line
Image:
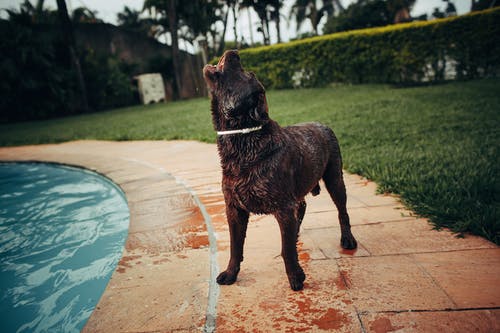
{"points": [[268, 169]]}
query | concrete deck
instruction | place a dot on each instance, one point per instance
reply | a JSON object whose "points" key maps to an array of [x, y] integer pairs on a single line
{"points": [[404, 276]]}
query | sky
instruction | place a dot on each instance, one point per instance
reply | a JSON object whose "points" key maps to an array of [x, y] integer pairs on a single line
{"points": [[107, 10]]}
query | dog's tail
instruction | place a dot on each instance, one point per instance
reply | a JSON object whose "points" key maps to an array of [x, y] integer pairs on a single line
{"points": [[315, 191]]}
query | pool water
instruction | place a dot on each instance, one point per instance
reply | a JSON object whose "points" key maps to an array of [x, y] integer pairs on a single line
{"points": [[62, 233]]}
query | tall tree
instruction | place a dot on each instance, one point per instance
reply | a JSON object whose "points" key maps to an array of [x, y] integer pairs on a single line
{"points": [[173, 25], [450, 10], [401, 9], [27, 13], [222, 43], [233, 6], [85, 15], [358, 15], [168, 10], [483, 4], [304, 10], [276, 6], [69, 38], [130, 19], [39, 8], [262, 8], [199, 19]]}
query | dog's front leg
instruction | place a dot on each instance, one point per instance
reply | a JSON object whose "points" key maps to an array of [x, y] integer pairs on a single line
{"points": [[238, 221], [289, 226]]}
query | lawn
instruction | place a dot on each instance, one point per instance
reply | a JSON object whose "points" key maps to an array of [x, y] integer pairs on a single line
{"points": [[438, 147]]}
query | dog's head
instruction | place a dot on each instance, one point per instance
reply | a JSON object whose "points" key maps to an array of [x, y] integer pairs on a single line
{"points": [[238, 98]]}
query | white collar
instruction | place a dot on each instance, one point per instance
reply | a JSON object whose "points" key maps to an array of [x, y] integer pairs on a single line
{"points": [[240, 131]]}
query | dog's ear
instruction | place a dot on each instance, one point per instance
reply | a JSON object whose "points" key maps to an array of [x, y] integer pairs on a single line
{"points": [[260, 112]]}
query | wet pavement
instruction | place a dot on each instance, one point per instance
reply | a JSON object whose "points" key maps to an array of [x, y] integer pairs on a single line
{"points": [[404, 276]]}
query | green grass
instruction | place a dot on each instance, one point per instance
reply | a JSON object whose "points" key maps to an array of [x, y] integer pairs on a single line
{"points": [[179, 120], [438, 147]]}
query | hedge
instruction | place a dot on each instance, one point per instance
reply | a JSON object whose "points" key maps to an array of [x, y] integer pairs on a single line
{"points": [[463, 47]]}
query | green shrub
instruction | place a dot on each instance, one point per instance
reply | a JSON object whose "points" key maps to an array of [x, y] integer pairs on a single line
{"points": [[30, 86], [108, 81], [37, 80], [401, 54]]}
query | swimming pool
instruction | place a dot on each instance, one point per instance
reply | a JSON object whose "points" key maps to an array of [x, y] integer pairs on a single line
{"points": [[62, 233]]}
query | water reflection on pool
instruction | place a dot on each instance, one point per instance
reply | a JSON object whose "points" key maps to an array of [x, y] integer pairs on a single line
{"points": [[62, 232]]}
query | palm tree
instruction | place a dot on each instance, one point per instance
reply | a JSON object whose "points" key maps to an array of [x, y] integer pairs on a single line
{"points": [[400, 9], [262, 8], [168, 9], [222, 43], [128, 18], [85, 15], [276, 16], [71, 44], [304, 10], [233, 5], [173, 25], [27, 13]]}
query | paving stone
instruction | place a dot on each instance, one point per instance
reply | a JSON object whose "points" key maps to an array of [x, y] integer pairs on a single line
{"points": [[327, 242], [470, 277], [481, 321], [391, 283], [168, 294], [358, 216], [411, 236]]}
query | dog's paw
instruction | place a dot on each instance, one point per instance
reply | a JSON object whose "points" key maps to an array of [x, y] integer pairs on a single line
{"points": [[227, 277], [297, 281], [348, 242]]}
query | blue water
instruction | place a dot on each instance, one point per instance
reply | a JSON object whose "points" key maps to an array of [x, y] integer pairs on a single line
{"points": [[62, 233]]}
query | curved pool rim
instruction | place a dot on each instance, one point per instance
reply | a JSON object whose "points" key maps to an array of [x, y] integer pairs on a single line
{"points": [[135, 166]]}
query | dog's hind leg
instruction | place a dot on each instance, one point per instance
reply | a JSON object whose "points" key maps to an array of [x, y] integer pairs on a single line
{"points": [[238, 221], [301, 211], [334, 182], [288, 226]]}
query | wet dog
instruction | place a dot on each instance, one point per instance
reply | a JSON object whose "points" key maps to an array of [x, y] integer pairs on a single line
{"points": [[269, 169]]}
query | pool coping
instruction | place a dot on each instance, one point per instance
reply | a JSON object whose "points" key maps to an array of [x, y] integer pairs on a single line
{"points": [[155, 289]]}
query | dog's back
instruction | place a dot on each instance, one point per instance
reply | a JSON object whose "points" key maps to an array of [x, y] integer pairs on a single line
{"points": [[314, 148]]}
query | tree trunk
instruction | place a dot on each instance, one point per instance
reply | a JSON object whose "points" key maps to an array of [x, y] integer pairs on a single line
{"points": [[172, 23], [222, 44], [250, 24], [339, 5], [265, 26], [235, 18], [314, 17], [263, 30], [278, 30], [39, 8], [71, 44]]}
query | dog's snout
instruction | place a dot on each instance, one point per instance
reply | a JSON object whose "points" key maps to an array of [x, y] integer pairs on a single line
{"points": [[209, 69]]}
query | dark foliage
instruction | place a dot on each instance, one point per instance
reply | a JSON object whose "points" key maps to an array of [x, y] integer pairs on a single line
{"points": [[31, 86], [37, 79], [359, 15]]}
